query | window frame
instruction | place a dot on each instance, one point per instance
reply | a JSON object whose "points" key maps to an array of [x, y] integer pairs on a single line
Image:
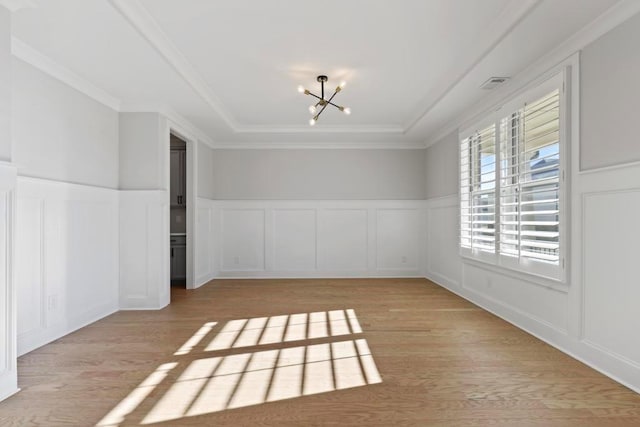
{"points": [[529, 266]]}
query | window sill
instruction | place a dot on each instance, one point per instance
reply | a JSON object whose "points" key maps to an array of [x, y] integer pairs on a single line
{"points": [[545, 282]]}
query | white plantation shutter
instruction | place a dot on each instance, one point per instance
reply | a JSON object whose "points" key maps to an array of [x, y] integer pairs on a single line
{"points": [[478, 187], [530, 180], [511, 184]]}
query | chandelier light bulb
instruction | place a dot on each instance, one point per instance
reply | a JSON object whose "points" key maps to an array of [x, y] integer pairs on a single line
{"points": [[312, 122], [347, 110], [342, 84], [301, 89], [312, 109]]}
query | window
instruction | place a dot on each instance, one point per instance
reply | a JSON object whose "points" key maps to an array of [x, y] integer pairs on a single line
{"points": [[511, 184]]}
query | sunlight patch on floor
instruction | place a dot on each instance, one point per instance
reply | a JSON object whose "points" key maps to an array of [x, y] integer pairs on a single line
{"points": [[220, 381], [136, 397], [195, 339], [248, 379]]}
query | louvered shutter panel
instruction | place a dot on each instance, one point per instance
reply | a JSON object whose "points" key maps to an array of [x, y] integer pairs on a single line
{"points": [[477, 191], [530, 181]]}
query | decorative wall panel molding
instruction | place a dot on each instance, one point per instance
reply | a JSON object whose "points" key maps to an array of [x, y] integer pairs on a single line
{"points": [[8, 346], [66, 258], [204, 242], [317, 238], [144, 250]]}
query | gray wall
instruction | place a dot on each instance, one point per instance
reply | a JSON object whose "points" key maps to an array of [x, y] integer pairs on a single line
{"points": [[60, 133], [205, 172], [321, 174], [442, 167], [5, 84], [144, 151], [609, 99]]}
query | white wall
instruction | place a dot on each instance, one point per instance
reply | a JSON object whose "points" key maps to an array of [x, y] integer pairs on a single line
{"points": [[8, 327], [144, 249], [8, 363], [609, 98], [66, 258], [309, 213], [144, 211], [60, 133], [595, 315], [310, 238], [206, 242], [66, 254], [317, 174]]}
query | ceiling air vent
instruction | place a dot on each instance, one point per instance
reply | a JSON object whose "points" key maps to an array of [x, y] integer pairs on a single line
{"points": [[493, 82]]}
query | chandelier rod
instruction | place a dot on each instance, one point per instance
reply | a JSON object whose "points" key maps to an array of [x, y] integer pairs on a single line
{"points": [[328, 102]]}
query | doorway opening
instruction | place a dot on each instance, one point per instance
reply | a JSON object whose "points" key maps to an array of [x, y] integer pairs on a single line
{"points": [[178, 211]]}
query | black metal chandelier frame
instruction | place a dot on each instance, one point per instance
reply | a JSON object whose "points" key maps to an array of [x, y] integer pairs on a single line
{"points": [[322, 101]]}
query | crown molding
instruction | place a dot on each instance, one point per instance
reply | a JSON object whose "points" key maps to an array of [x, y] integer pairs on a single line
{"points": [[504, 24], [563, 53], [322, 129], [26, 53], [404, 145], [14, 5], [140, 18]]}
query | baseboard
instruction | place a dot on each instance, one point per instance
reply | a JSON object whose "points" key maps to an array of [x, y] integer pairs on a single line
{"points": [[31, 341], [132, 304], [204, 279], [385, 274], [8, 394]]}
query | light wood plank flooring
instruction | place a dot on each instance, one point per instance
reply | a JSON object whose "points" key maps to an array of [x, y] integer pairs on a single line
{"points": [[216, 354]]}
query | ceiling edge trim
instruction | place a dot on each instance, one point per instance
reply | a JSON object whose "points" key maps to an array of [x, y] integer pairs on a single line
{"points": [[611, 18], [324, 129], [14, 5], [26, 53], [318, 145], [507, 20], [142, 21]]}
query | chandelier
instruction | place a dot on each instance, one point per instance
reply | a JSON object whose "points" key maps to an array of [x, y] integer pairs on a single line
{"points": [[322, 103]]}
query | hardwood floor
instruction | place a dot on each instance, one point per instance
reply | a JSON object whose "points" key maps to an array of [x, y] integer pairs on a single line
{"points": [[442, 362]]}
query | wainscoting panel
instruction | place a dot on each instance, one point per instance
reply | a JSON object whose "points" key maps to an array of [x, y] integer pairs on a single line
{"points": [[294, 240], [30, 267], [66, 258], [611, 285], [8, 318], [343, 239], [144, 250], [204, 242], [442, 240], [243, 247], [319, 238], [397, 243]]}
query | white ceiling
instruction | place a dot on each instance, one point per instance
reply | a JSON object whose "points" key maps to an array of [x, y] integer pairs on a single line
{"points": [[232, 67]]}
